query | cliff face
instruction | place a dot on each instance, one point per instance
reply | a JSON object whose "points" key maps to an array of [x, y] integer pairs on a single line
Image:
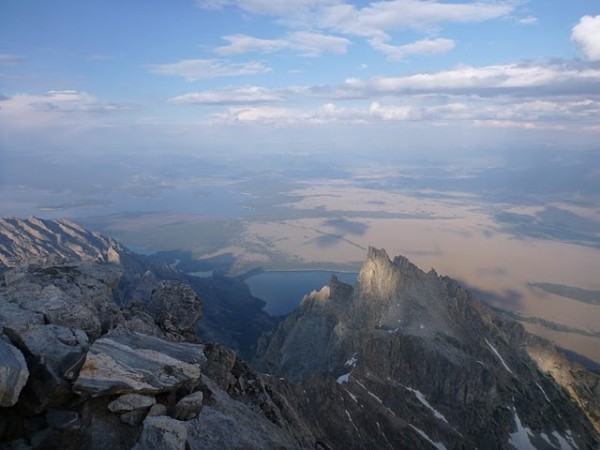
{"points": [[415, 360]]}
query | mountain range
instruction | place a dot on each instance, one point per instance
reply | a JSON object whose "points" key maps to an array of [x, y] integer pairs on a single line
{"points": [[102, 348]]}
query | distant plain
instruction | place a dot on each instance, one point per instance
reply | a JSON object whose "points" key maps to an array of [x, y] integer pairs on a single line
{"points": [[497, 225]]}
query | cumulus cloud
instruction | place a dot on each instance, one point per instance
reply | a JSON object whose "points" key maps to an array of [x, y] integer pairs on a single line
{"points": [[196, 69], [586, 34], [304, 42], [232, 96], [27, 110], [376, 19], [494, 80], [382, 16], [423, 47], [511, 95], [527, 114]]}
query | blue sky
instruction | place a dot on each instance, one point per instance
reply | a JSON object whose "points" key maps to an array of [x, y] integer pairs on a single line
{"points": [[213, 74]]}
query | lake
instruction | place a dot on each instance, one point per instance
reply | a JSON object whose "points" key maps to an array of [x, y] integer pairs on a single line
{"points": [[283, 290]]}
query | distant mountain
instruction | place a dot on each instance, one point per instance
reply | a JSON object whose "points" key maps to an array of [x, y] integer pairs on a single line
{"points": [[408, 359], [33, 240]]}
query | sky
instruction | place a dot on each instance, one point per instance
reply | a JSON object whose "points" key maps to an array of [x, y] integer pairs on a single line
{"points": [[192, 76]]}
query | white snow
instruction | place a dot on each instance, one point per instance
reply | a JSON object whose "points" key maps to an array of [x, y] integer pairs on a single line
{"points": [[384, 436], [437, 445], [543, 392], [520, 438], [375, 397], [571, 440], [498, 355], [352, 361], [343, 378], [350, 419], [421, 327], [422, 399], [565, 444], [352, 396], [480, 362]]}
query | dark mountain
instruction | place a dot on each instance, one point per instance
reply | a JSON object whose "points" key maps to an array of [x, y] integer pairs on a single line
{"points": [[408, 359]]}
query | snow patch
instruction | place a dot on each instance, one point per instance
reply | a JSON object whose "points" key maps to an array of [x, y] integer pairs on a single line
{"points": [[520, 438], [343, 378], [384, 436], [375, 397], [543, 392], [352, 396], [565, 443], [498, 355], [421, 327], [422, 399], [352, 361], [350, 419], [437, 445]]}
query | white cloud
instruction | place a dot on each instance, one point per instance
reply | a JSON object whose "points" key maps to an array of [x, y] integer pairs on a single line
{"points": [[196, 69], [586, 34], [54, 108], [527, 114], [530, 20], [267, 7], [382, 16], [495, 80], [306, 43], [8, 59], [423, 47], [242, 95], [373, 20]]}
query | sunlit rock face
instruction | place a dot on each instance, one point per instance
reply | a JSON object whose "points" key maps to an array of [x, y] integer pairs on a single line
{"points": [[47, 242], [414, 355]]}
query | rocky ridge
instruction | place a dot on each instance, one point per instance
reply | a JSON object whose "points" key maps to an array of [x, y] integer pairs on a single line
{"points": [[231, 315], [417, 362], [78, 371]]}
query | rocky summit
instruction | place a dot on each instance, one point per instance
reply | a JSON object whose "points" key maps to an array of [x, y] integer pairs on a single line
{"points": [[408, 359], [401, 360]]}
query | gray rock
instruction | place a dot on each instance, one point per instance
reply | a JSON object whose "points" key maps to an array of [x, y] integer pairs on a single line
{"points": [[13, 372], [175, 307], [124, 362], [162, 433], [227, 423], [189, 406], [55, 354], [77, 297], [133, 418], [157, 409], [63, 420], [131, 402]]}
